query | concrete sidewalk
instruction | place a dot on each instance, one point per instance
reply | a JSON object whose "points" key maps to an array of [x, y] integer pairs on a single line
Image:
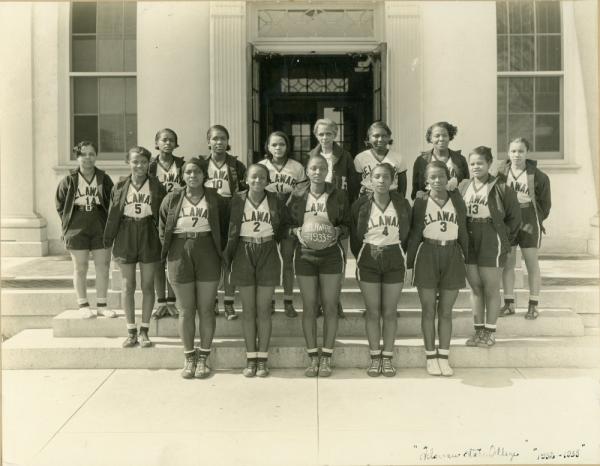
{"points": [[146, 417]]}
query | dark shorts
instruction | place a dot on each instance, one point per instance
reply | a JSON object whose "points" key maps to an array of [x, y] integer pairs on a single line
{"points": [[384, 264], [529, 235], [485, 247], [312, 263], [137, 241], [439, 267], [193, 260], [256, 264], [85, 232]]}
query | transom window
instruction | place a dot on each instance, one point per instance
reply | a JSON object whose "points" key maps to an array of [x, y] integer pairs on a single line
{"points": [[103, 75], [530, 76]]}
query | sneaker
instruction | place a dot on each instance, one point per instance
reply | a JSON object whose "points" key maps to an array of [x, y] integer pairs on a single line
{"points": [[325, 366], [261, 369], [144, 338], [202, 369], [340, 312], [161, 311], [108, 313], [387, 369], [216, 309], [313, 368], [250, 369], [532, 312], [131, 341], [433, 367], [290, 311], [445, 368], [475, 338], [190, 366], [86, 313], [507, 310], [172, 310], [230, 311], [487, 340], [374, 368]]}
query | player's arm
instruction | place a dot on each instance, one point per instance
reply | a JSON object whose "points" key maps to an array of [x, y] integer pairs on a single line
{"points": [[402, 183]]}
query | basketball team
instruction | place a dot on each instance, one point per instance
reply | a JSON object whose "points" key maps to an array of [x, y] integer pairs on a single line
{"points": [[195, 225]]}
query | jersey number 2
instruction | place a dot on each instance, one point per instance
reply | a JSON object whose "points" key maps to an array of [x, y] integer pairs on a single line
{"points": [[256, 227]]}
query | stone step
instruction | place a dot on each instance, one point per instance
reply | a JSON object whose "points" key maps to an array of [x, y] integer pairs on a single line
{"points": [[38, 349], [551, 322]]}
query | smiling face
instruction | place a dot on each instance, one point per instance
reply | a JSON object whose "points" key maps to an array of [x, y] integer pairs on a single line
{"points": [[379, 139], [478, 165], [138, 164], [166, 142], [381, 179], [440, 138], [87, 158], [218, 142], [517, 152], [277, 147], [325, 135], [193, 175], [437, 178], [316, 170], [256, 179]]}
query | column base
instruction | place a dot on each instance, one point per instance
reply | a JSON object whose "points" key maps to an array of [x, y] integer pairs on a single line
{"points": [[24, 237]]}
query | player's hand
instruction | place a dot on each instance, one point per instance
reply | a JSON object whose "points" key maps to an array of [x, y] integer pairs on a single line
{"points": [[338, 233], [452, 184], [298, 233]]}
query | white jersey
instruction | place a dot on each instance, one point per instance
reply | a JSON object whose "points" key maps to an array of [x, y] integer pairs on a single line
{"points": [[256, 221], [449, 163], [365, 162], [284, 180], [87, 193], [382, 229], [441, 222], [193, 218], [168, 176], [519, 184], [477, 200], [138, 203], [316, 205], [218, 178], [329, 158]]}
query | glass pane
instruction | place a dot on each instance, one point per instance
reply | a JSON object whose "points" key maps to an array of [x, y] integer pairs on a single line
{"points": [[297, 143], [83, 18], [110, 18], [520, 14], [521, 53], [130, 54], [306, 143], [547, 15], [549, 53], [547, 95], [502, 133], [130, 22], [131, 131], [112, 96], [130, 96], [85, 96], [501, 18], [316, 85], [547, 133], [520, 126], [83, 54], [520, 95], [85, 128], [110, 54], [502, 102], [502, 53], [112, 133]]}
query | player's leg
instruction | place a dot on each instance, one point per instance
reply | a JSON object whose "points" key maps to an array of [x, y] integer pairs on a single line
{"points": [[248, 297], [444, 312], [264, 294], [287, 255], [371, 293], [490, 278], [534, 278], [80, 258], [102, 265], [477, 304], [159, 287], [389, 307], [128, 285], [508, 283], [329, 285], [186, 293], [205, 298], [147, 272]]}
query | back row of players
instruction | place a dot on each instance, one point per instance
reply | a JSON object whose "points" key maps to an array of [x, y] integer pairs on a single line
{"points": [[209, 214]]}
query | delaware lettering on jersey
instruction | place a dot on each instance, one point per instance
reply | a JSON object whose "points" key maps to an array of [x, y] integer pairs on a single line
{"points": [[256, 220], [87, 192], [284, 180], [382, 228], [168, 176], [138, 202], [218, 178], [477, 200], [316, 205], [193, 218], [519, 184], [441, 222], [365, 162]]}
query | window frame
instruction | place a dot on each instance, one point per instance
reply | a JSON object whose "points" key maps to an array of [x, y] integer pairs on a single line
{"points": [[547, 157]]}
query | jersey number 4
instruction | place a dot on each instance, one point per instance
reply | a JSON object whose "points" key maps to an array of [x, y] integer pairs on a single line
{"points": [[385, 231]]}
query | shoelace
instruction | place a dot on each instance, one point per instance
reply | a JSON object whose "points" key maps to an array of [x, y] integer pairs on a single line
{"points": [[387, 365], [374, 364]]}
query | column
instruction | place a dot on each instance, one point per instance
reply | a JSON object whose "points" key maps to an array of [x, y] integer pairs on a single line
{"points": [[23, 231], [228, 72]]}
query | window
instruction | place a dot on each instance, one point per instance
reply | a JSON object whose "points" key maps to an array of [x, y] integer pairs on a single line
{"points": [[103, 75], [530, 76]]}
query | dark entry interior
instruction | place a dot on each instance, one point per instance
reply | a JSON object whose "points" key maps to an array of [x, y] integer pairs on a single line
{"points": [[290, 92]]}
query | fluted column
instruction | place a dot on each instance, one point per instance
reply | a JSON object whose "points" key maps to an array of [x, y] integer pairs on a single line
{"points": [[228, 71]]}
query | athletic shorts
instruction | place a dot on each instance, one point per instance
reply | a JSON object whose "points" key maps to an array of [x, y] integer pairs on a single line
{"points": [[529, 235], [439, 267], [312, 263], [380, 264], [485, 247], [256, 264], [137, 241], [85, 231], [193, 260]]}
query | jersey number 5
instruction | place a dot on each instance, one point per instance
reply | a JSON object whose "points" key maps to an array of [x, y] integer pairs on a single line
{"points": [[138, 208]]}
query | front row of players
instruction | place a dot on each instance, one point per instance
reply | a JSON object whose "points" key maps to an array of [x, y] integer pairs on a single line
{"points": [[198, 232]]}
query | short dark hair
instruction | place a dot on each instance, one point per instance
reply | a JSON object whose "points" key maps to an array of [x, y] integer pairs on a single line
{"points": [[386, 166], [218, 128], [452, 130], [381, 125], [165, 130], [282, 135], [259, 165], [199, 163], [138, 150], [437, 164], [483, 151], [317, 157], [523, 141], [81, 144]]}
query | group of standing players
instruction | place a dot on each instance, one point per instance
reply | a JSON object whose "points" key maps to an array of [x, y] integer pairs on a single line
{"points": [[209, 220]]}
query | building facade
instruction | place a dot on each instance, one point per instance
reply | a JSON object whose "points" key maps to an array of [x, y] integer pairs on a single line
{"points": [[116, 72]]}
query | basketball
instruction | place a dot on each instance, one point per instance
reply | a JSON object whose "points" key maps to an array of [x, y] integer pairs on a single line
{"points": [[317, 232]]}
